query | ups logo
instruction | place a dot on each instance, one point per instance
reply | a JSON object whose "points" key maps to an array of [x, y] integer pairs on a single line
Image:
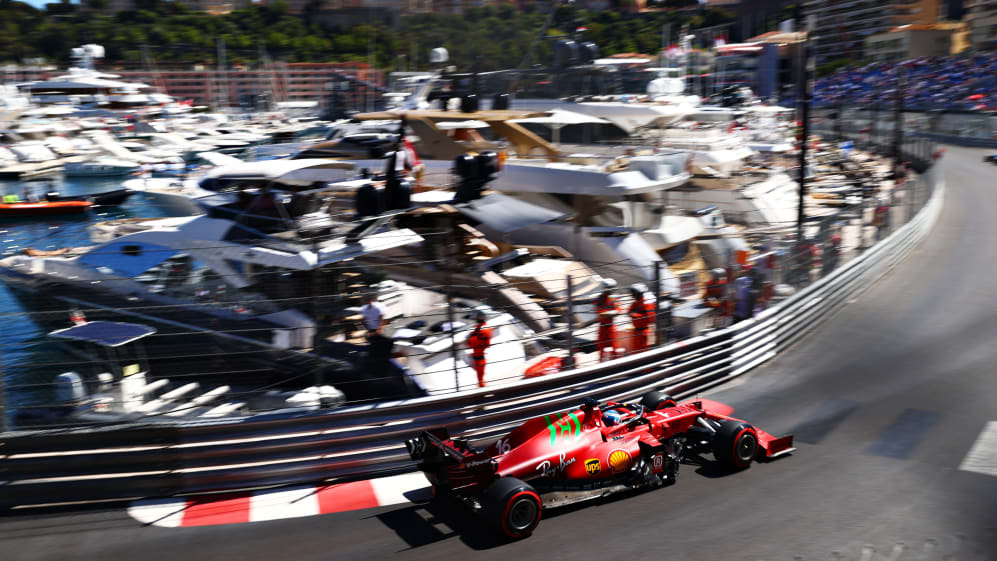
{"points": [[593, 466]]}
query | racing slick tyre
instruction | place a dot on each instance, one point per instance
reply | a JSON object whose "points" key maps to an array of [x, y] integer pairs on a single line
{"points": [[652, 401], [735, 444], [513, 506]]}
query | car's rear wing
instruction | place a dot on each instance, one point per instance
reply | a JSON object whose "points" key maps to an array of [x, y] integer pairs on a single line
{"points": [[434, 443]]}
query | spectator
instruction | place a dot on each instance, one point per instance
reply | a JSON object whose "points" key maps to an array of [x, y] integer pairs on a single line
{"points": [[373, 313], [479, 340], [642, 317], [831, 253], [955, 82], [744, 297], [605, 311]]}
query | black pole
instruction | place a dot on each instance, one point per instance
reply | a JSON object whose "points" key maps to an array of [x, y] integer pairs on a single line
{"points": [[4, 421], [570, 319], [898, 121], [658, 320], [317, 336], [837, 123], [803, 95], [449, 263], [874, 125]]}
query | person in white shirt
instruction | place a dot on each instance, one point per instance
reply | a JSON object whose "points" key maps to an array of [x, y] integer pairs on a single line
{"points": [[373, 313]]}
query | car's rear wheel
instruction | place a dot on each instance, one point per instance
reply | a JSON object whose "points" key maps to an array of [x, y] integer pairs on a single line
{"points": [[652, 401], [513, 506], [735, 444]]}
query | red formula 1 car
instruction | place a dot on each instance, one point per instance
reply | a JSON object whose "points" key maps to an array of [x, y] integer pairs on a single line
{"points": [[590, 452]]}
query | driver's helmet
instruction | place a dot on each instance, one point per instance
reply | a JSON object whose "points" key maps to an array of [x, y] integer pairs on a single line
{"points": [[611, 417]]}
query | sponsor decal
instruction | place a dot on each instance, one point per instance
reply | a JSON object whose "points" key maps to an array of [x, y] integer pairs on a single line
{"points": [[593, 466], [477, 463], [564, 427], [619, 460], [658, 461], [547, 470]]}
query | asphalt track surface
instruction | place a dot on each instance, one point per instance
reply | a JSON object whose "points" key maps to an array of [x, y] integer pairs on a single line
{"points": [[886, 398]]}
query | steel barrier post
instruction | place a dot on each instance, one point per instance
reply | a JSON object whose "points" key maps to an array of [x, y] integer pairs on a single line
{"points": [[448, 262], [317, 337], [570, 363], [658, 340], [4, 421]]}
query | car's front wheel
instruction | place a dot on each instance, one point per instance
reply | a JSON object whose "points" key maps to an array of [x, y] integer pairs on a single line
{"points": [[652, 401], [513, 506], [735, 444]]}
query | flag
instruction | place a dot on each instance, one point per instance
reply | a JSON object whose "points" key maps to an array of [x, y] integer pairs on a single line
{"points": [[719, 41]]}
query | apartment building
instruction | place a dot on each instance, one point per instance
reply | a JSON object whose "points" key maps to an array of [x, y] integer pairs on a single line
{"points": [[216, 7], [395, 6], [981, 16], [296, 81], [913, 41], [842, 26]]}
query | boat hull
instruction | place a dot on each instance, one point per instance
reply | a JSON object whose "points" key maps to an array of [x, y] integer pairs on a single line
{"points": [[44, 209]]}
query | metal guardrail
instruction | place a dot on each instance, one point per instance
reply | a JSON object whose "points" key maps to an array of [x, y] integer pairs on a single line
{"points": [[114, 463]]}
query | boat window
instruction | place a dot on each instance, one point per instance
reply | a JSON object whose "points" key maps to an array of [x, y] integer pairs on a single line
{"points": [[675, 254], [279, 283], [187, 278], [239, 233]]}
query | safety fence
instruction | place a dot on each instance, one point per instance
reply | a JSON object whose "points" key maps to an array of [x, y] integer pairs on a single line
{"points": [[455, 268], [117, 463], [876, 124]]}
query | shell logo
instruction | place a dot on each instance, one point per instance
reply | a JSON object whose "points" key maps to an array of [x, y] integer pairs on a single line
{"points": [[619, 460]]}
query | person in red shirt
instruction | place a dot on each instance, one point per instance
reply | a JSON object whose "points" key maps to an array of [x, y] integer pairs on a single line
{"points": [[479, 340], [642, 317], [606, 310]]}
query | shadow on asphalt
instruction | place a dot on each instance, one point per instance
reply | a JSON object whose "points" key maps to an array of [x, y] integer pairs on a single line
{"points": [[442, 519]]}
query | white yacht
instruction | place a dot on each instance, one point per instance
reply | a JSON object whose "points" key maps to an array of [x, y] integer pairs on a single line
{"points": [[712, 150], [100, 167], [84, 86], [196, 273], [221, 185]]}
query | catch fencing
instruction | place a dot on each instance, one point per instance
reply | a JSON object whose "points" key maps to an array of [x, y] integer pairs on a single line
{"points": [[119, 463]]}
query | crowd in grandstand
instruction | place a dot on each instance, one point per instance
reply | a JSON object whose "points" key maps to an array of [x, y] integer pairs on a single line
{"points": [[951, 83]]}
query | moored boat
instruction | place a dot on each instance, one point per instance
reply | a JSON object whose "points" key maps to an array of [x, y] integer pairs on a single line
{"points": [[45, 208], [106, 198]]}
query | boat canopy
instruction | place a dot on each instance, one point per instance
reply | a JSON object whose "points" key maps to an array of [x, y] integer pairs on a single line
{"points": [[105, 333], [502, 213]]}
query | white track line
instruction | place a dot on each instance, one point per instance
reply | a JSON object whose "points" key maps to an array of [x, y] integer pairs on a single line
{"points": [[403, 488], [982, 457], [167, 513], [287, 503]]}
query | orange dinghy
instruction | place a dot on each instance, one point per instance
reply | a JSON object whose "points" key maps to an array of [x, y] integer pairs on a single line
{"points": [[44, 208]]}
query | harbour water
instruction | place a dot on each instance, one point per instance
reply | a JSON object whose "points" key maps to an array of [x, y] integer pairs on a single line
{"points": [[29, 359]]}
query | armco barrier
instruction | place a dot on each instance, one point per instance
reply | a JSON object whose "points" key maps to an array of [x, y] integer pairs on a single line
{"points": [[50, 467]]}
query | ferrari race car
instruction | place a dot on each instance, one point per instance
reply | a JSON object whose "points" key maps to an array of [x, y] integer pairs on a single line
{"points": [[587, 453]]}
